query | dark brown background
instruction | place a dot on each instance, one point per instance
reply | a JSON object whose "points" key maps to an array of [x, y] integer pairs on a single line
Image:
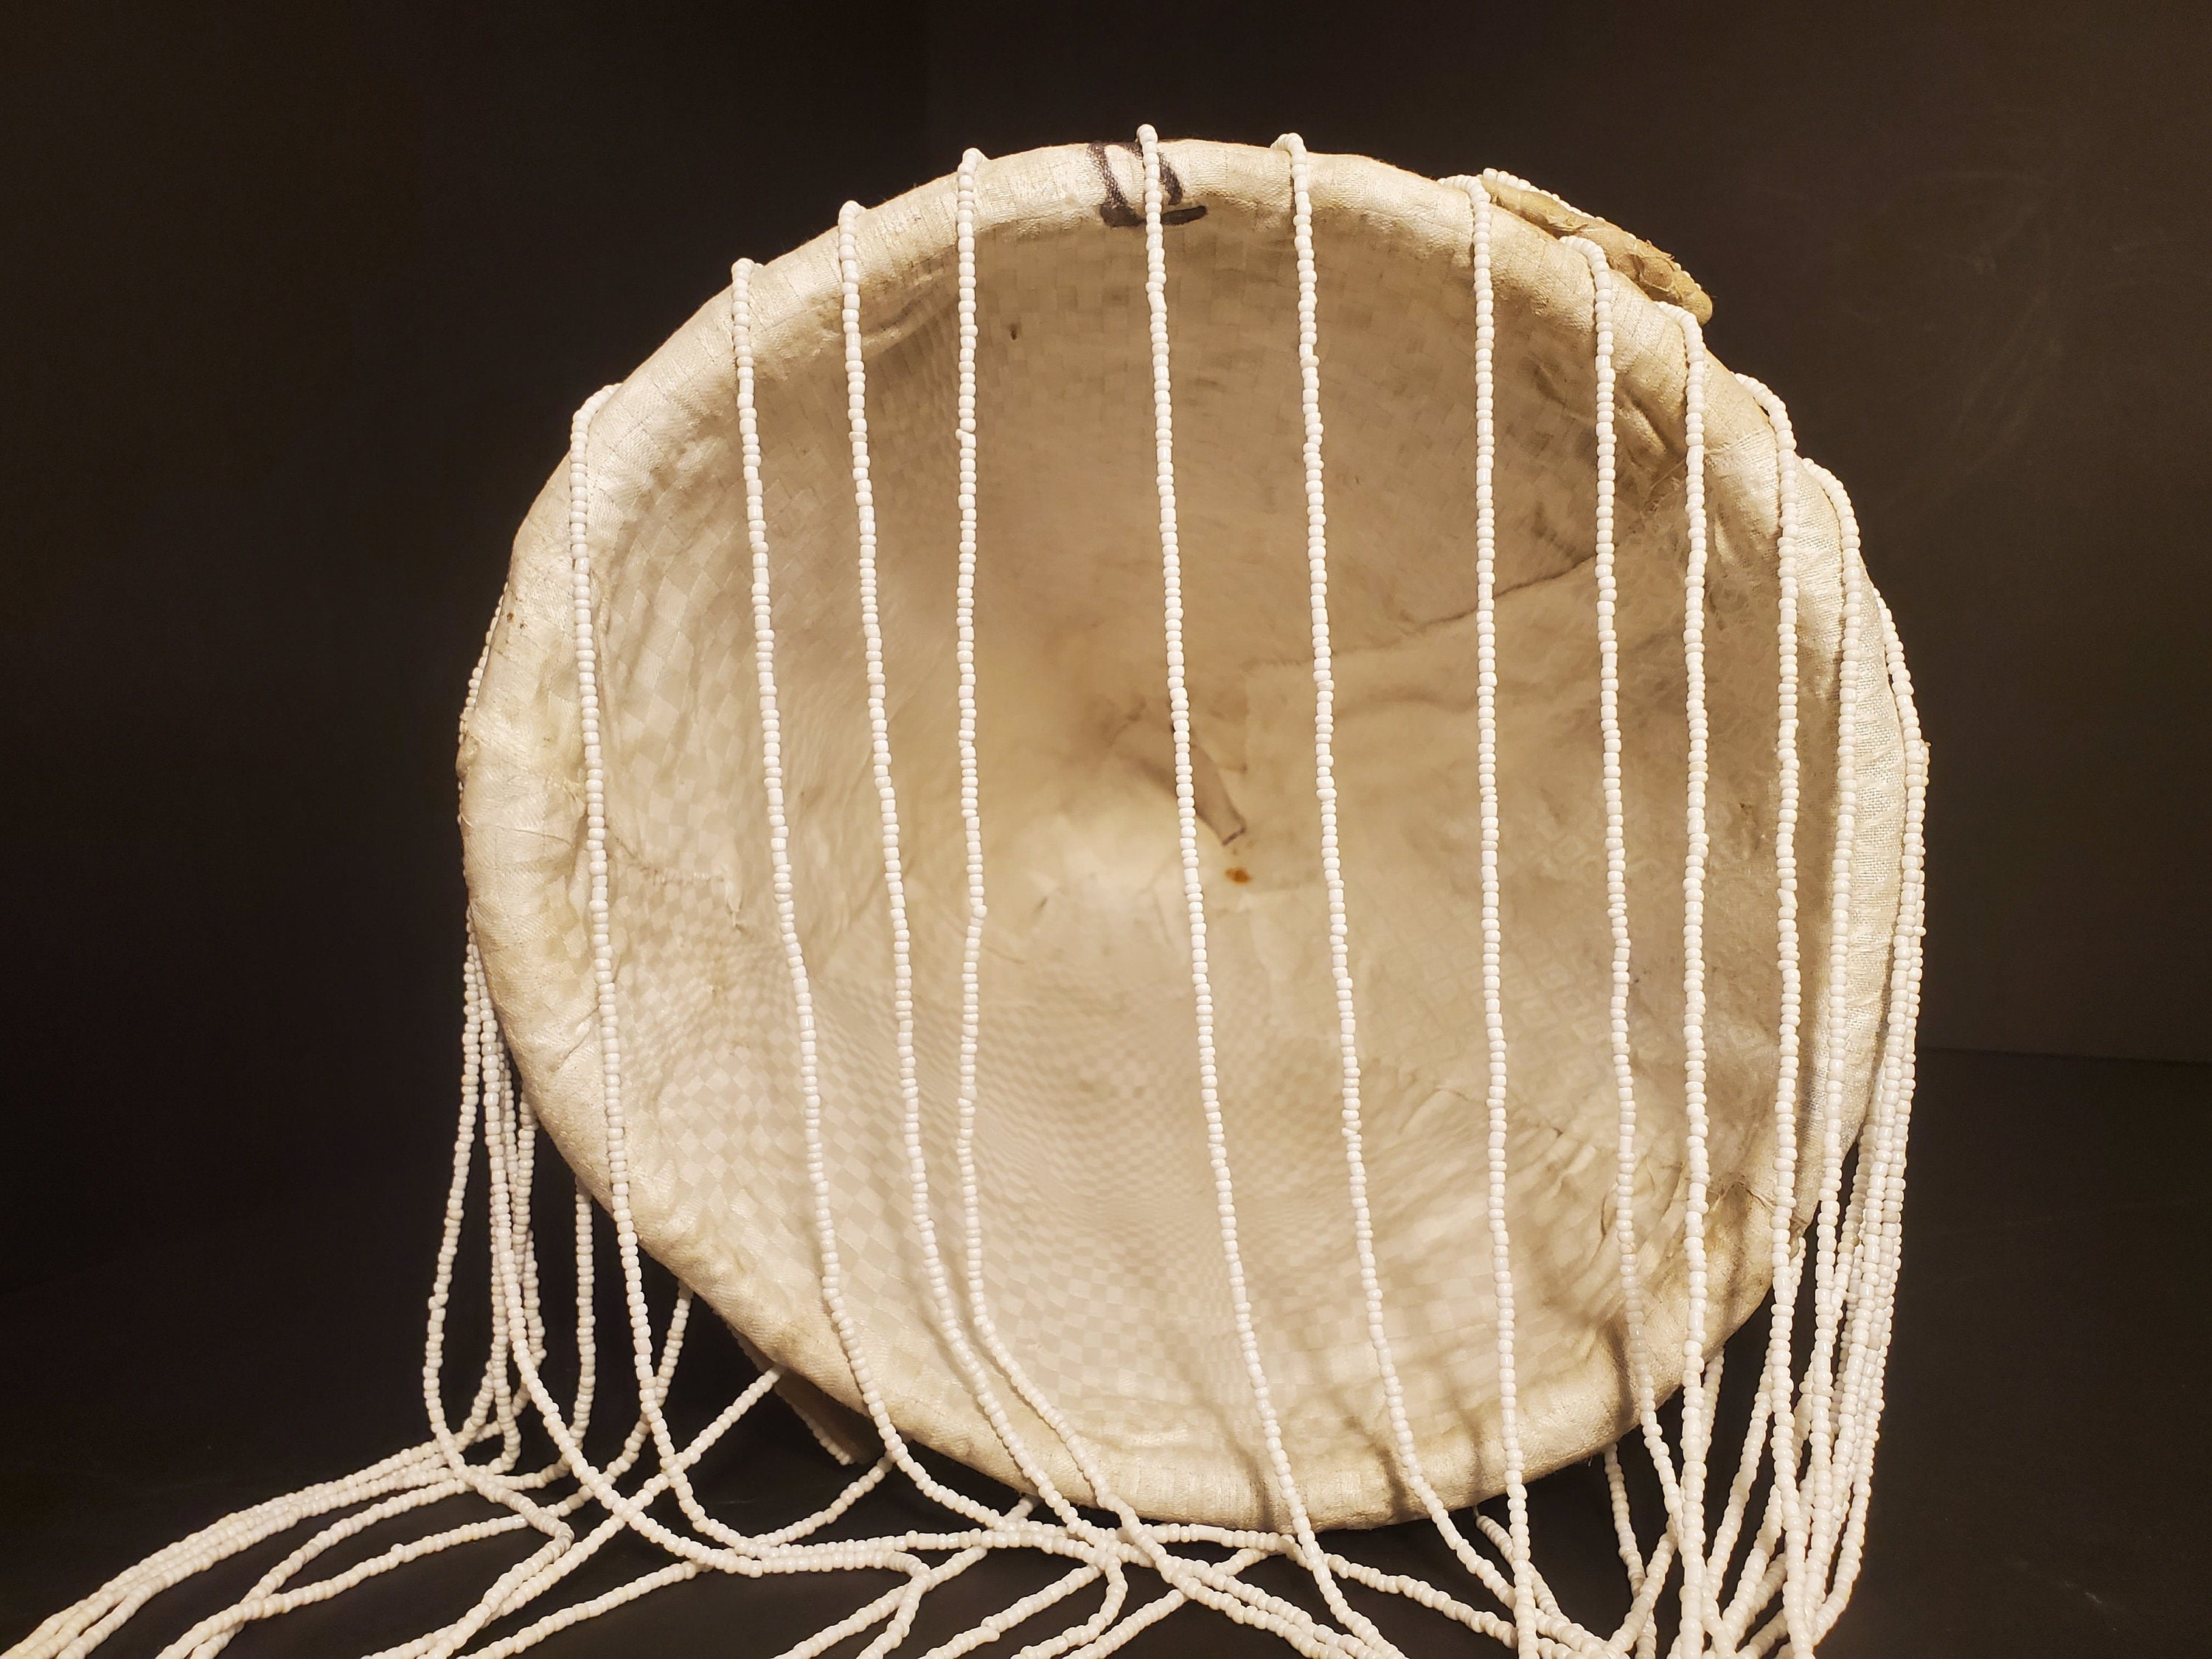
{"points": [[297, 301]]}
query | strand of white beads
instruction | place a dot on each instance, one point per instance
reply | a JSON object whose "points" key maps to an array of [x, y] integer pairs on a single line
{"points": [[1642, 1389], [475, 1017], [1607, 583], [1699, 1391], [903, 971], [787, 923], [580, 1415], [1212, 1586], [1870, 1241], [1493, 1002], [779, 842], [1886, 1195], [1403, 1445], [1492, 925], [1849, 1296], [1077, 1534], [1554, 1629], [1829, 1284], [505, 1334], [519, 1134], [971, 952], [1786, 1243], [1279, 1466]]}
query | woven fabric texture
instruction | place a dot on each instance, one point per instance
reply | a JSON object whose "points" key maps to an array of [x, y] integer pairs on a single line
{"points": [[1105, 1261]]}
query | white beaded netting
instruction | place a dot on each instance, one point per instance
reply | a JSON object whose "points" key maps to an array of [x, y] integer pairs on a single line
{"points": [[1219, 831]]}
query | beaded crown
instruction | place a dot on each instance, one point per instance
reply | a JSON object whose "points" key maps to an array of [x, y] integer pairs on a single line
{"points": [[1220, 831]]}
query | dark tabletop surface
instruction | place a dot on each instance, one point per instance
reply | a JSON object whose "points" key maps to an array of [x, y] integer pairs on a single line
{"points": [[2042, 1485]]}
